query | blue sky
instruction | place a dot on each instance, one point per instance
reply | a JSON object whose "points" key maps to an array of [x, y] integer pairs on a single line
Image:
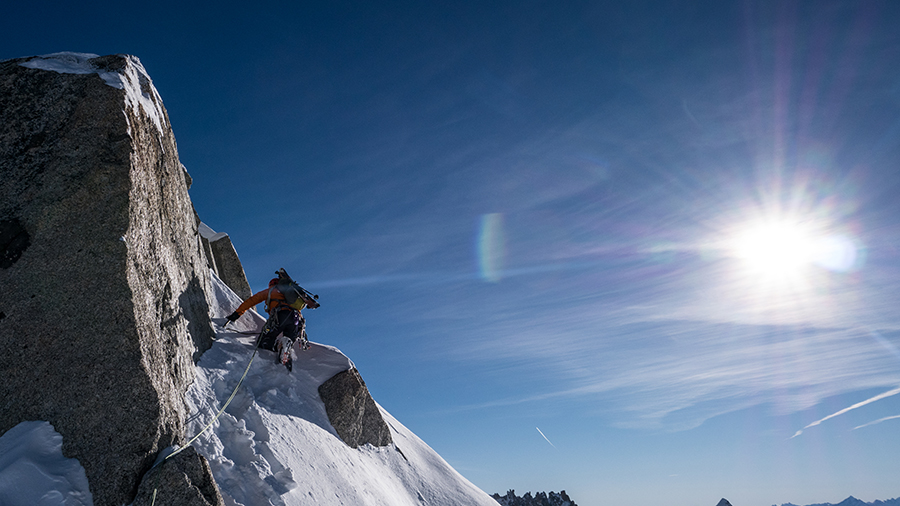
{"points": [[524, 221]]}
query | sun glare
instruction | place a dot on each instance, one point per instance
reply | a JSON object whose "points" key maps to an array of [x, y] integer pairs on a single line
{"points": [[787, 253]]}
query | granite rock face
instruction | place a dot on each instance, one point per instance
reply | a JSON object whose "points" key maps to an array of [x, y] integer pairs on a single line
{"points": [[352, 411], [224, 261], [229, 266], [103, 308], [183, 480]]}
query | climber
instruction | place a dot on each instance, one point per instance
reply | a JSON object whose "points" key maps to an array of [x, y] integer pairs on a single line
{"points": [[284, 300]]}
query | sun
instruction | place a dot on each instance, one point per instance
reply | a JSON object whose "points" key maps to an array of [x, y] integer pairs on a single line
{"points": [[776, 249]]}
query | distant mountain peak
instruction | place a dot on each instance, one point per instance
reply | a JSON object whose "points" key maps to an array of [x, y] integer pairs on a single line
{"points": [[724, 502], [538, 499], [853, 501]]}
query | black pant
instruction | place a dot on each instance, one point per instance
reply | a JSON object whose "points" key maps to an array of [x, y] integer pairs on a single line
{"points": [[284, 321]]}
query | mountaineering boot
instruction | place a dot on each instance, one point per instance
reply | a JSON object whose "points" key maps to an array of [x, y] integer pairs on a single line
{"points": [[283, 349]]}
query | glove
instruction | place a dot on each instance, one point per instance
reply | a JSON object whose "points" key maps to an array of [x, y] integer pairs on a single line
{"points": [[233, 317]]}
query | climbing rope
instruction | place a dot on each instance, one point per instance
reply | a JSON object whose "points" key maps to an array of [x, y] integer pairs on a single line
{"points": [[210, 424]]}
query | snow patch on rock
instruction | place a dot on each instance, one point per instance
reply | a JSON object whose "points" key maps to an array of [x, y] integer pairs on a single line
{"points": [[210, 234], [73, 63], [33, 470], [133, 78]]}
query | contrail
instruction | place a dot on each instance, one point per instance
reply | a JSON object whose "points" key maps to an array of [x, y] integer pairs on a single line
{"points": [[877, 421], [857, 405], [545, 437]]}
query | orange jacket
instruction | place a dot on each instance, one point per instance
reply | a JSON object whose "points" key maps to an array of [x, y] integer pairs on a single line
{"points": [[276, 299]]}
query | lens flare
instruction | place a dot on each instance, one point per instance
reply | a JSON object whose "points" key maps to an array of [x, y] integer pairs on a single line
{"points": [[491, 247], [838, 253]]}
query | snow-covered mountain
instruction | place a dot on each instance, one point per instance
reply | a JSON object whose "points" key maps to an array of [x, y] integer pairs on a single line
{"points": [[111, 348]]}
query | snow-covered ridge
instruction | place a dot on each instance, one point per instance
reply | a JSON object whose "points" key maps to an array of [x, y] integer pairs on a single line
{"points": [[275, 446], [133, 78], [272, 446]]}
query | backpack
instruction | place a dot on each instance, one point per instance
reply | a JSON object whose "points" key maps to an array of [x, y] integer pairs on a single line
{"points": [[294, 295]]}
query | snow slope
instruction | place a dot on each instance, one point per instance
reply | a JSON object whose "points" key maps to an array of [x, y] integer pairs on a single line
{"points": [[273, 445]]}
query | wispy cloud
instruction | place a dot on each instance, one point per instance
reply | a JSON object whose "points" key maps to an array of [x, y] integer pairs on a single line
{"points": [[674, 375], [878, 397]]}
